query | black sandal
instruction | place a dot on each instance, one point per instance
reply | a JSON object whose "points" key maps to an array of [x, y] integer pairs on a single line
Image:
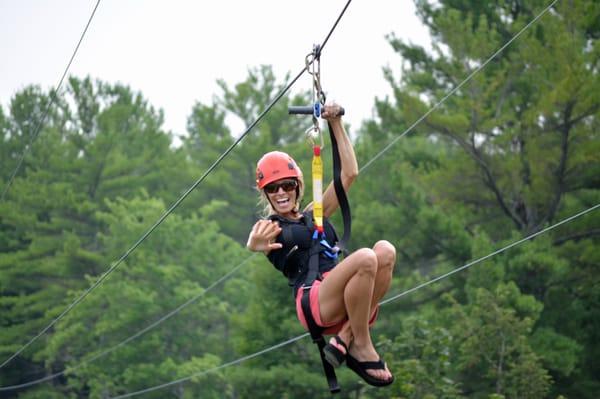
{"points": [[333, 355], [361, 368]]}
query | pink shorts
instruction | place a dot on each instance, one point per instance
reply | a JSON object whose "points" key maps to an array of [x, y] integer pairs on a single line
{"points": [[330, 328]]}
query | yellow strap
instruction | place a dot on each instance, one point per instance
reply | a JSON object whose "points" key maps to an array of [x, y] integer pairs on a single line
{"points": [[317, 178]]}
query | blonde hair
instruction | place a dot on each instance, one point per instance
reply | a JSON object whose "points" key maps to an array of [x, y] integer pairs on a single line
{"points": [[266, 207]]}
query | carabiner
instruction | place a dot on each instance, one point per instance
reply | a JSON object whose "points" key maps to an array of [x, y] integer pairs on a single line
{"points": [[314, 133]]}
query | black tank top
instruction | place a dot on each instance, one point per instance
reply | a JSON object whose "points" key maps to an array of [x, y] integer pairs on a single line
{"points": [[296, 238]]}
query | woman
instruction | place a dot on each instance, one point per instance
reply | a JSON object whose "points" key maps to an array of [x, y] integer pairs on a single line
{"points": [[345, 301]]}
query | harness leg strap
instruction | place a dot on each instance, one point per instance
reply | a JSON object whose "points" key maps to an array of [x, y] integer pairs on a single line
{"points": [[317, 337]]}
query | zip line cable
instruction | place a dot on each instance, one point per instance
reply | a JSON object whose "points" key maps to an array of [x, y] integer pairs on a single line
{"points": [[376, 157], [212, 370], [97, 356], [335, 24], [466, 266], [393, 298], [53, 95], [175, 204], [455, 89]]}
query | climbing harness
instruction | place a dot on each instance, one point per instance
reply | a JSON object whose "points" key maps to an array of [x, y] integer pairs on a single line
{"points": [[318, 239]]}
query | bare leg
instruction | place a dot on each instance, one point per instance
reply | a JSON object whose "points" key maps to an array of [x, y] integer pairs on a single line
{"points": [[347, 292], [337, 301], [386, 259], [345, 335]]}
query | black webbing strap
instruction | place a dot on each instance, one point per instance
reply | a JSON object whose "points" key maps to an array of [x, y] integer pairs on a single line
{"points": [[340, 192], [316, 331], [317, 337]]}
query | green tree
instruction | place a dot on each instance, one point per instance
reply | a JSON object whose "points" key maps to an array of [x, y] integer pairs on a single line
{"points": [[511, 152], [177, 262], [523, 126], [99, 141]]}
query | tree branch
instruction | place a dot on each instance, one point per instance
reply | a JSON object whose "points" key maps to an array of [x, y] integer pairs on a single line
{"points": [[562, 166], [504, 93], [575, 119], [577, 236], [488, 180]]}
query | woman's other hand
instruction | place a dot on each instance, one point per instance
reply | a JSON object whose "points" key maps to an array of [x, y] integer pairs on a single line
{"points": [[262, 237]]}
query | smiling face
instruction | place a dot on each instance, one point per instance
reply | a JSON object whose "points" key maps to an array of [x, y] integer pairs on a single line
{"points": [[283, 195]]}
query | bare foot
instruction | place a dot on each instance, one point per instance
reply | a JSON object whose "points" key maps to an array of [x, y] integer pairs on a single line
{"points": [[345, 334], [368, 354], [339, 347]]}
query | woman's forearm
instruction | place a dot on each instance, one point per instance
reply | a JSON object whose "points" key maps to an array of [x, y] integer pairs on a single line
{"points": [[349, 165]]}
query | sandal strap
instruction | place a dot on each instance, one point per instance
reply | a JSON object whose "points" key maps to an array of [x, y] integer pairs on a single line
{"points": [[378, 365], [340, 342]]}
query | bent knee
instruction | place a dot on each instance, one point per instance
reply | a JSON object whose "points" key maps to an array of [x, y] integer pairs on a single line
{"points": [[386, 253], [367, 260]]}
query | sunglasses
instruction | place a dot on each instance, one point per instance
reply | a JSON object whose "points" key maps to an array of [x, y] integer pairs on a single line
{"points": [[287, 185]]}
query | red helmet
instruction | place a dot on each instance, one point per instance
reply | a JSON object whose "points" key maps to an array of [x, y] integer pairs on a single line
{"points": [[275, 165]]}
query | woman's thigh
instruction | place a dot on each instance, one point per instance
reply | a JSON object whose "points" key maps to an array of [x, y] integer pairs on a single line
{"points": [[331, 291]]}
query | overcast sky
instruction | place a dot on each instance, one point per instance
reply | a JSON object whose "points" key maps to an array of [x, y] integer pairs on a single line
{"points": [[174, 51]]}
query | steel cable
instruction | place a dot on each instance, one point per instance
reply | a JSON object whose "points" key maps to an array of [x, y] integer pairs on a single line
{"points": [[53, 95]]}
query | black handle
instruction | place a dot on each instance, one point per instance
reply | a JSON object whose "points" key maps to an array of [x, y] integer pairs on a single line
{"points": [[300, 110], [306, 110]]}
